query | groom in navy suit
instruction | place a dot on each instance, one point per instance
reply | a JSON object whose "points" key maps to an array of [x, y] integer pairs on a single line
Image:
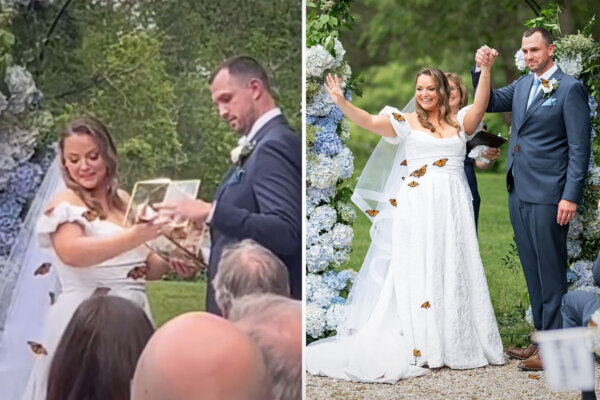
{"points": [[260, 197], [548, 158]]}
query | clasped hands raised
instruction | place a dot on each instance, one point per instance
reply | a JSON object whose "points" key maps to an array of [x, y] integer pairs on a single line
{"points": [[485, 57]]}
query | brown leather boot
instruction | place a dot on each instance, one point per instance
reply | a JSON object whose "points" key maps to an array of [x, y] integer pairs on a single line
{"points": [[533, 363], [522, 354]]}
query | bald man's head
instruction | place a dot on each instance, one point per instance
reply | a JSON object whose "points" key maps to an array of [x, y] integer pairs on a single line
{"points": [[200, 356]]}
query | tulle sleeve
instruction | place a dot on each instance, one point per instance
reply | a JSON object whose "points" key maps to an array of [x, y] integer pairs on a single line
{"points": [[460, 118], [53, 218], [399, 123]]}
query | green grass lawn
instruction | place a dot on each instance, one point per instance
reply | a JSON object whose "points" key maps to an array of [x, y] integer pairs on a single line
{"points": [[171, 298], [507, 288]]}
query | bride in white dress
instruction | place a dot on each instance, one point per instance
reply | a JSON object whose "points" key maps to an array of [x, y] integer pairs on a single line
{"points": [[421, 297], [90, 249]]}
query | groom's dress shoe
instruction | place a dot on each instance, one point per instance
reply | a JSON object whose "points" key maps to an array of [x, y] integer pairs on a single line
{"points": [[533, 363], [522, 354]]}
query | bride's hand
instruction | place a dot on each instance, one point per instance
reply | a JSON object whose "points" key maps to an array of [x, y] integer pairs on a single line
{"points": [[333, 87], [485, 57], [151, 229]]}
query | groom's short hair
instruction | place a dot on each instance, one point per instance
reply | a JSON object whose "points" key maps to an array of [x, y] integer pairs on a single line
{"points": [[246, 268], [246, 68], [546, 35]]}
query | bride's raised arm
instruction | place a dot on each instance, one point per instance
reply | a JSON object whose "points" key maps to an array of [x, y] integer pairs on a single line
{"points": [[482, 95], [379, 124]]}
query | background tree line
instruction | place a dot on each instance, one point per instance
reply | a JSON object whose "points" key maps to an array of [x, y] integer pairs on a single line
{"points": [[142, 67]]}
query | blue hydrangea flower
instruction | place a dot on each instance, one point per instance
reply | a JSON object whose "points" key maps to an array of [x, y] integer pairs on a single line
{"points": [[318, 257], [320, 105], [571, 66], [338, 300], [593, 105], [9, 205], [520, 60], [346, 212], [315, 320], [573, 248], [322, 171], [327, 143], [334, 280], [318, 60], [342, 236], [312, 233], [571, 276], [334, 316], [323, 295], [9, 230], [341, 256], [345, 161], [323, 217], [317, 196], [25, 181]]}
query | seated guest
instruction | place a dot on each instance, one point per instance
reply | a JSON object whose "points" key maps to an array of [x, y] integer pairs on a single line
{"points": [[246, 268], [275, 324], [99, 349], [200, 356]]}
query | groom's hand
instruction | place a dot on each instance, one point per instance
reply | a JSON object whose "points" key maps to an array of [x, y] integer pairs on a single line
{"points": [[484, 57], [197, 210], [566, 212]]}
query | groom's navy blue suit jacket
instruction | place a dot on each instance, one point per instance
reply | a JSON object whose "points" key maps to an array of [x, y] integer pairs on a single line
{"points": [[549, 148], [262, 201]]}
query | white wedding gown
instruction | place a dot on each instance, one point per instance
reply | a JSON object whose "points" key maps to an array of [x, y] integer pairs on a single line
{"points": [[78, 284], [433, 308]]}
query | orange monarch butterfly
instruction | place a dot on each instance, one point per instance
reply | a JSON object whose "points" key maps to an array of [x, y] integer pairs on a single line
{"points": [[372, 213], [532, 376], [595, 188], [42, 269], [592, 324], [393, 202], [416, 353], [419, 172], [37, 348], [403, 163], [426, 305], [52, 297], [398, 117], [440, 163], [90, 215], [137, 272], [413, 184]]}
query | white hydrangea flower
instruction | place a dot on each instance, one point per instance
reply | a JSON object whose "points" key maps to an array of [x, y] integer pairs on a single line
{"points": [[342, 236], [571, 66], [520, 60], [323, 171], [334, 315], [315, 320], [339, 53], [529, 316], [318, 60]]}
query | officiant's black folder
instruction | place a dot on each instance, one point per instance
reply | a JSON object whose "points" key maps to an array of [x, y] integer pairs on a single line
{"points": [[486, 139]]}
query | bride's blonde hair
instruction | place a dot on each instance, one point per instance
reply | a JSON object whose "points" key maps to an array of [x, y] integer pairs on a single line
{"points": [[442, 88], [91, 126]]}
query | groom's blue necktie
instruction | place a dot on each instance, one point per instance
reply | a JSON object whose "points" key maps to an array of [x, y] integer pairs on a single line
{"points": [[536, 85]]}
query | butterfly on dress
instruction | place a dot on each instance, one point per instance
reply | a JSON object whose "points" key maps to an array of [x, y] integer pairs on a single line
{"points": [[403, 163], [42, 269], [393, 202], [413, 184], [90, 215], [416, 353], [419, 172], [37, 348], [138, 272], [426, 305], [372, 213], [441, 162], [398, 117]]}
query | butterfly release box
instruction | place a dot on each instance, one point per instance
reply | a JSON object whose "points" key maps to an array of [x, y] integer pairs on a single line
{"points": [[181, 239]]}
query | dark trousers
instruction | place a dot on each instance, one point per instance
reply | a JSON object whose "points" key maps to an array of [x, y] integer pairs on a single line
{"points": [[542, 246]]}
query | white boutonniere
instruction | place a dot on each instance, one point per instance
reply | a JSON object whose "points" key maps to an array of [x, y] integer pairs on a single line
{"points": [[242, 150], [549, 86]]}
